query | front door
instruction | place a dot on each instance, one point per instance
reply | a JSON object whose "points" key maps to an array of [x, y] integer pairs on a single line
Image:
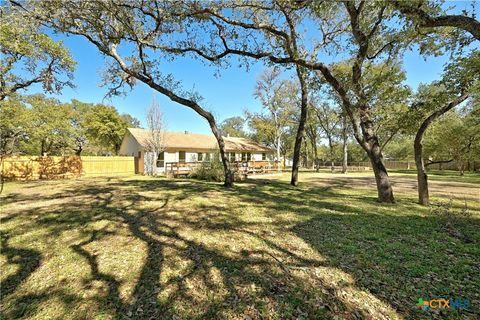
{"points": [[139, 163]]}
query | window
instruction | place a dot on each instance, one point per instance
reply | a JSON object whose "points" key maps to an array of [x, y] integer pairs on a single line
{"points": [[264, 156], [161, 160], [207, 156], [244, 156], [199, 156], [232, 156], [249, 156], [181, 156]]}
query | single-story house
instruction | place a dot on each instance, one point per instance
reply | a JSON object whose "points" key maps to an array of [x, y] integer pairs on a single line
{"points": [[186, 147]]}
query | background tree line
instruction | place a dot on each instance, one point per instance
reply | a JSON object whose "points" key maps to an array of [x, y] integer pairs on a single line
{"points": [[37, 125]]}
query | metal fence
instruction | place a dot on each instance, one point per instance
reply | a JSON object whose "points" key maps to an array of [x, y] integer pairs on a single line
{"points": [[402, 165]]}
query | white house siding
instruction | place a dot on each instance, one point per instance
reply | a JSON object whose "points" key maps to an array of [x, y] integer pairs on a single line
{"points": [[171, 156], [256, 156], [130, 146], [191, 156]]}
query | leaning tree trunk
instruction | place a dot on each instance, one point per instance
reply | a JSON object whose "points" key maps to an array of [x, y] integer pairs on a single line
{"points": [[364, 133], [384, 187], [369, 142], [192, 104], [422, 177], [223, 155], [301, 128]]}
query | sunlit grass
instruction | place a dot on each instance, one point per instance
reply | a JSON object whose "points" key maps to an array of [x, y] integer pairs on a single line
{"points": [[151, 248]]}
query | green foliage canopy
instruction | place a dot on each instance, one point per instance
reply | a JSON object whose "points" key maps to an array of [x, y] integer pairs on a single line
{"points": [[29, 56]]}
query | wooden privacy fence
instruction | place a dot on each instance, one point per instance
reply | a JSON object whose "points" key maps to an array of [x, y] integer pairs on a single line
{"points": [[31, 167], [108, 165]]}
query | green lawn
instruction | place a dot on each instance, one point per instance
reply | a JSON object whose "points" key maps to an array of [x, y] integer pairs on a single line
{"points": [[151, 248]]}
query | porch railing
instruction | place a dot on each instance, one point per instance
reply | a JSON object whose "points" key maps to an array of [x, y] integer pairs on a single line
{"points": [[240, 167]]}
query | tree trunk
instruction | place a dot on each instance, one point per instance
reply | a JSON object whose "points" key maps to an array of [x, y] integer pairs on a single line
{"points": [[305, 143], [462, 168], [422, 178], [345, 157], [301, 127], [330, 146], [221, 144], [296, 158], [369, 143], [315, 154], [345, 146], [46, 147], [117, 148], [384, 187], [278, 153], [78, 151]]}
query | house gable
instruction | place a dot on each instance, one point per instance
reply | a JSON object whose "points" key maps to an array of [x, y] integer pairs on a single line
{"points": [[130, 146]]}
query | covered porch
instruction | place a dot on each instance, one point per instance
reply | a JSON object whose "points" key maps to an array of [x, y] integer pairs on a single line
{"points": [[242, 168]]}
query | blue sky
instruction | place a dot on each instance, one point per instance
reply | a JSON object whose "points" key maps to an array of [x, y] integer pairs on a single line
{"points": [[225, 96]]}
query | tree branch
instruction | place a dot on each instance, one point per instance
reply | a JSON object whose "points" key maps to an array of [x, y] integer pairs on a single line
{"points": [[439, 161], [426, 21]]}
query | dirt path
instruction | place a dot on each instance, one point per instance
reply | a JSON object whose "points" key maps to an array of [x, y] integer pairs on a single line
{"points": [[402, 184]]}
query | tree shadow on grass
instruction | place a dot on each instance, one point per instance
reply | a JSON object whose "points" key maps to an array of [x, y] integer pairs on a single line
{"points": [[212, 284], [27, 261], [210, 297], [401, 259], [184, 277]]}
